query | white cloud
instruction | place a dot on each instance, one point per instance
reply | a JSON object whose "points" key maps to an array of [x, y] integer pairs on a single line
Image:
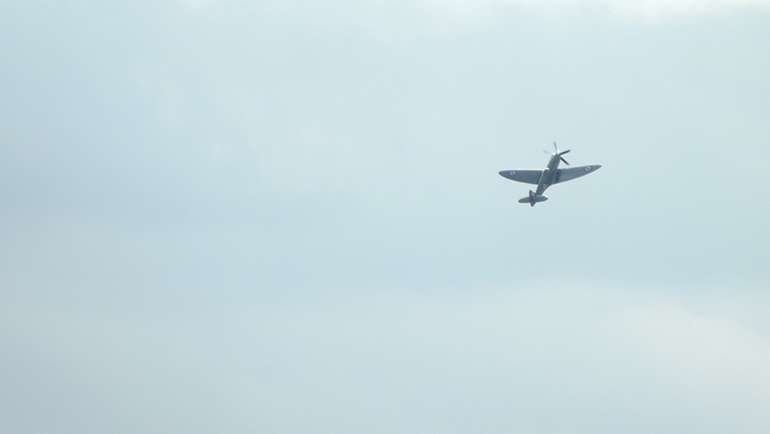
{"points": [[464, 10], [646, 8], [673, 8]]}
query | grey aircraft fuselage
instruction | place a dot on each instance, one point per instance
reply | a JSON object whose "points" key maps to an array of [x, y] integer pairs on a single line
{"points": [[547, 177]]}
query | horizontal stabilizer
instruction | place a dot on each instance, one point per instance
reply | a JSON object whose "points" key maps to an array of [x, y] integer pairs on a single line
{"points": [[532, 199]]}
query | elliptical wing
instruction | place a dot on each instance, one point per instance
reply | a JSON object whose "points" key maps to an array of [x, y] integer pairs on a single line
{"points": [[564, 175], [525, 176]]}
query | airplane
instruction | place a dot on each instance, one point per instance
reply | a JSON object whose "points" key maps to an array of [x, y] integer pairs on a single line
{"points": [[547, 177]]}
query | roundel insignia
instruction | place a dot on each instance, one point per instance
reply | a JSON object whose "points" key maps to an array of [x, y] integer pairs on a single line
{"points": [[588, 168], [513, 173]]}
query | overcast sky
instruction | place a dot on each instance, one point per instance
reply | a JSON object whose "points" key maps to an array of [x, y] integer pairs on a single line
{"points": [[286, 217]]}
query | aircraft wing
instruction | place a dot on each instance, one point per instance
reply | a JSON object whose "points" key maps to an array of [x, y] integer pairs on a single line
{"points": [[564, 175], [525, 176]]}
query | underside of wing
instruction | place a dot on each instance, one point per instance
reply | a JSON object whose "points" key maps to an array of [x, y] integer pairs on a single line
{"points": [[563, 175], [525, 176]]}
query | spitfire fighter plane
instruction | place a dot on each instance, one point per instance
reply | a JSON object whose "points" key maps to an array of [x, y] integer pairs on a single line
{"points": [[547, 177]]}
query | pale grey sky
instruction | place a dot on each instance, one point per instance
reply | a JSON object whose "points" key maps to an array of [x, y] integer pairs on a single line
{"points": [[230, 216]]}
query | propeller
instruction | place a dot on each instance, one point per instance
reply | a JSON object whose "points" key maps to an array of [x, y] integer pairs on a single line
{"points": [[560, 153]]}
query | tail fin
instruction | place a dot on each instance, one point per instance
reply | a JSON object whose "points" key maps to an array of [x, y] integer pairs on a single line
{"points": [[532, 199]]}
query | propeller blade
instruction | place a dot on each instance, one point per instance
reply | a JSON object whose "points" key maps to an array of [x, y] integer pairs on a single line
{"points": [[547, 152], [554, 147], [564, 152], [564, 161]]}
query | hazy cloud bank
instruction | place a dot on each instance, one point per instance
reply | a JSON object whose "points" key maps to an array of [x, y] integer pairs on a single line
{"points": [[532, 359], [286, 217]]}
